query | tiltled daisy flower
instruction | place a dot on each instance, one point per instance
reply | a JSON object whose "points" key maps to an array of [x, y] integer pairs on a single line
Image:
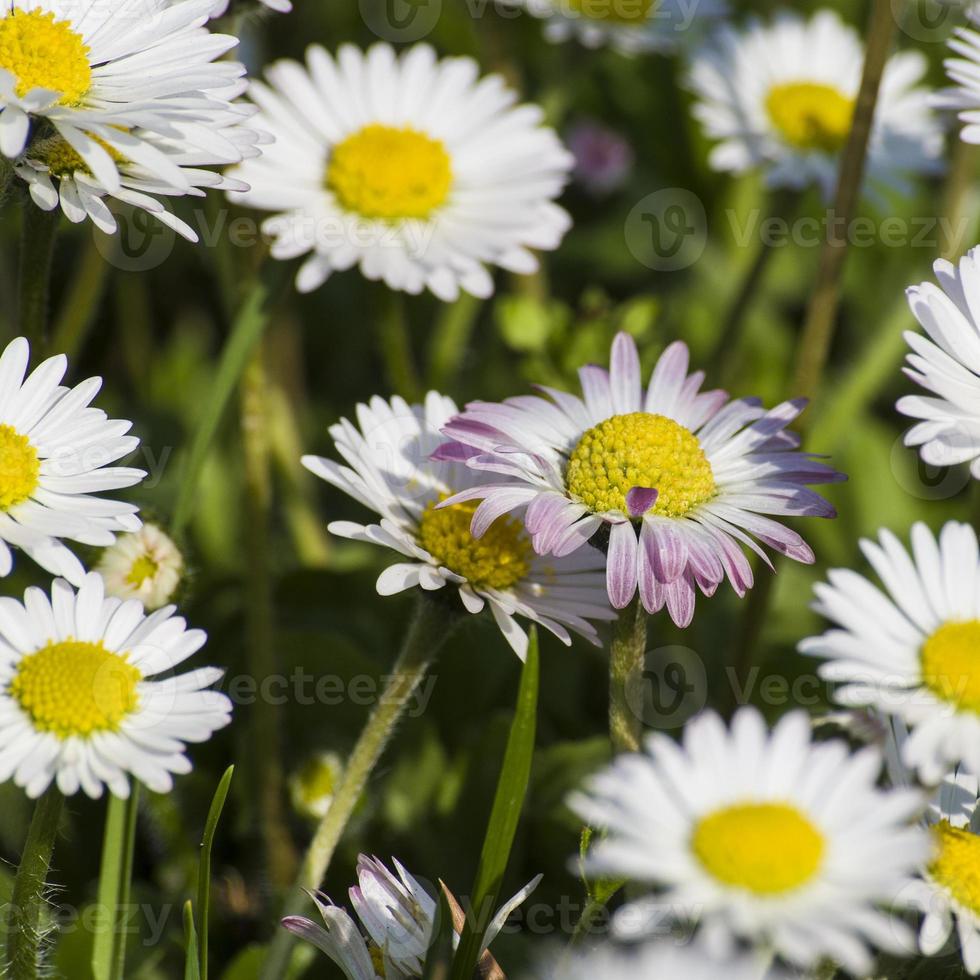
{"points": [[412, 168], [78, 705], [910, 651], [390, 471], [947, 364], [964, 72], [765, 837], [54, 451], [675, 476], [144, 565], [397, 914], [781, 97], [631, 26]]}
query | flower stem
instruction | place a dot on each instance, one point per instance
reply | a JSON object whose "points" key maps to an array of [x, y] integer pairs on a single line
{"points": [[626, 660], [956, 199], [449, 342], [396, 346], [430, 628], [24, 934], [821, 316], [38, 232]]}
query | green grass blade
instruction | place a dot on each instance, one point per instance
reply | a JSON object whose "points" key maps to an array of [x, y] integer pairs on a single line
{"points": [[191, 955], [439, 961], [204, 869], [502, 827]]}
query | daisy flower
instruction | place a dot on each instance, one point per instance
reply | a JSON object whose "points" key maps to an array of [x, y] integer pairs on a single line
{"points": [[397, 914], [765, 837], [104, 76], [946, 364], [630, 26], [78, 705], [676, 477], [389, 470], [54, 451], [910, 650], [964, 72], [415, 169], [144, 565], [781, 97]]}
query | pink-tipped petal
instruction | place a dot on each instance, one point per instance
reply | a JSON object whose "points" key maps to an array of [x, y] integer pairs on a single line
{"points": [[621, 564]]}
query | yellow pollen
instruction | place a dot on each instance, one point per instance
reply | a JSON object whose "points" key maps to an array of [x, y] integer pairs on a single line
{"points": [[951, 664], [377, 960], [143, 568], [766, 848], [75, 688], [19, 468], [957, 868], [498, 560], [640, 450], [41, 52], [811, 116], [63, 160], [390, 173], [616, 11]]}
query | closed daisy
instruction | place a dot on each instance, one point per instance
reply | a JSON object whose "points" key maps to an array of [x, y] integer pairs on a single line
{"points": [[415, 170], [54, 454], [630, 26], [676, 478], [946, 363], [144, 565], [389, 470], [781, 96], [764, 837], [911, 650], [78, 703]]}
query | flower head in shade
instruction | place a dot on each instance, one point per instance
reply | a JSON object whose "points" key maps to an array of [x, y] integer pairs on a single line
{"points": [[78, 703], [54, 454], [416, 170], [630, 26], [398, 916], [910, 650], [761, 836], [947, 364], [389, 470], [677, 477], [781, 97], [144, 565]]}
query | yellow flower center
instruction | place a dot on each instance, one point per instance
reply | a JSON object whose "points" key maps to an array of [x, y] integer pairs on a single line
{"points": [[390, 173], [19, 467], [617, 11], [957, 868], [143, 568], [75, 688], [640, 450], [498, 560], [766, 848], [951, 664], [811, 116], [61, 158], [41, 52]]}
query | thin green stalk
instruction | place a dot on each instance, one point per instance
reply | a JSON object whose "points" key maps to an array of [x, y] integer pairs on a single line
{"points": [[250, 323], [81, 302], [430, 628], [626, 660], [956, 235], [396, 346], [204, 871], [268, 780], [23, 928], [821, 316], [38, 231], [451, 339]]}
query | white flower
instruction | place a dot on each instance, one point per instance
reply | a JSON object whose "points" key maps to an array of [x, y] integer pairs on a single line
{"points": [[144, 565], [964, 72], [399, 917], [910, 651], [946, 364], [781, 97], [412, 168], [390, 471], [630, 26], [769, 838], [54, 451], [77, 702]]}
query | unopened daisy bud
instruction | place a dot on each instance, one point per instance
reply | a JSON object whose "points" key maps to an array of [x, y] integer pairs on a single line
{"points": [[144, 565], [312, 788]]}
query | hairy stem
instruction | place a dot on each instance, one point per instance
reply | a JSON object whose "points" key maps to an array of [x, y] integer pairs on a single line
{"points": [[626, 659]]}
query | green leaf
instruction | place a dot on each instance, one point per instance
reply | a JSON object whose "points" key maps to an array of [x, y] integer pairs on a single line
{"points": [[439, 961], [502, 827], [204, 871], [191, 958]]}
